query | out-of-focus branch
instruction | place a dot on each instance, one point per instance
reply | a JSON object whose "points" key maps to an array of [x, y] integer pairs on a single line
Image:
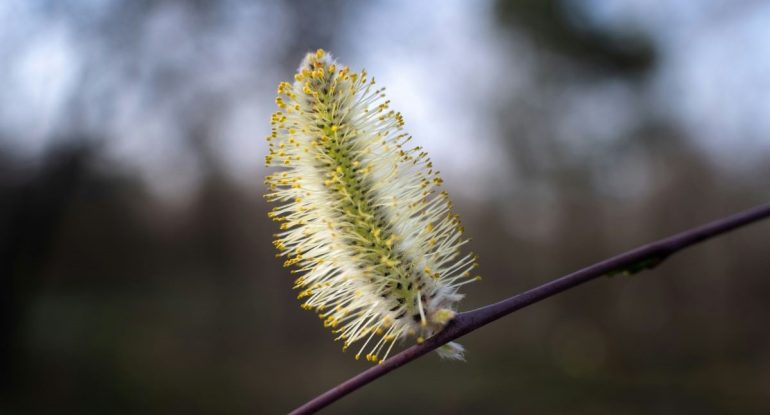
{"points": [[636, 260]]}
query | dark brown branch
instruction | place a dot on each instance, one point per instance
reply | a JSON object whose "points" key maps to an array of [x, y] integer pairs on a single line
{"points": [[636, 260]]}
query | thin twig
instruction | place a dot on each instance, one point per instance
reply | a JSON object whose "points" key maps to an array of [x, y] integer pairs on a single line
{"points": [[636, 260]]}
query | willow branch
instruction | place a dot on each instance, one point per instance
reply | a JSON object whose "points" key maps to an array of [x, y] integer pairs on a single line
{"points": [[636, 260]]}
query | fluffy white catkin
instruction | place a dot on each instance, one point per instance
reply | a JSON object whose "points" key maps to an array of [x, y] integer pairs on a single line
{"points": [[375, 245]]}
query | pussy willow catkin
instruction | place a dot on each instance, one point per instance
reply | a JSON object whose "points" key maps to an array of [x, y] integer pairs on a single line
{"points": [[375, 245]]}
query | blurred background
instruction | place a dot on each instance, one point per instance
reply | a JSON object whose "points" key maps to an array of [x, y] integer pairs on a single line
{"points": [[137, 267]]}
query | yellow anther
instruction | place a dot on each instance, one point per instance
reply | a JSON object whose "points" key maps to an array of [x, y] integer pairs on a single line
{"points": [[442, 316]]}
